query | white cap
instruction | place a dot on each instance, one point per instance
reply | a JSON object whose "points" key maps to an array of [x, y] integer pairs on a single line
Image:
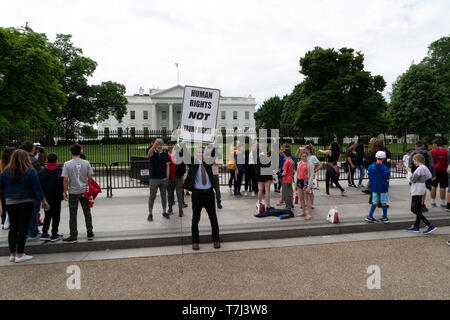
{"points": [[380, 155]]}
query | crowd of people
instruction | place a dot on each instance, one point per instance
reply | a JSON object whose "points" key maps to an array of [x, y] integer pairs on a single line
{"points": [[30, 178]]}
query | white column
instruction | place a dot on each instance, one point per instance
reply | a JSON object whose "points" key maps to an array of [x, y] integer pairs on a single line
{"points": [[154, 122], [170, 116]]}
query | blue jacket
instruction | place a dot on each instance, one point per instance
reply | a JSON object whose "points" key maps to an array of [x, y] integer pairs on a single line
{"points": [[378, 176], [28, 186]]}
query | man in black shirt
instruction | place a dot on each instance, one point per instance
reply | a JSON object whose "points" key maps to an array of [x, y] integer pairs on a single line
{"points": [[159, 176]]}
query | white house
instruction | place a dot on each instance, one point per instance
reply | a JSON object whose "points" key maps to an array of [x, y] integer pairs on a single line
{"points": [[161, 109]]}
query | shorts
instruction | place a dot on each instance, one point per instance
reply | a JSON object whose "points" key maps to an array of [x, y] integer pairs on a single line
{"points": [[441, 179], [302, 184], [380, 197], [428, 184]]}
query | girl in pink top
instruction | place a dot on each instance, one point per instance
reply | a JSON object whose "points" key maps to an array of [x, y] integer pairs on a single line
{"points": [[304, 183]]}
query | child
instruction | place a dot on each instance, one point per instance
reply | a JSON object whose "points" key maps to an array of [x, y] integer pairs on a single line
{"points": [[406, 158], [305, 176], [379, 175], [52, 185], [287, 177], [418, 189]]}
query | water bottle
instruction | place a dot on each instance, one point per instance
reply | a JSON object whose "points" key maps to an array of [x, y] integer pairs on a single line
{"points": [[285, 216]]}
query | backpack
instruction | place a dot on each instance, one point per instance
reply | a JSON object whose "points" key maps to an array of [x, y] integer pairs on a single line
{"points": [[427, 160]]}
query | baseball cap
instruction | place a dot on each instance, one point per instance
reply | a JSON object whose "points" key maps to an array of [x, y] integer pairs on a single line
{"points": [[380, 155]]}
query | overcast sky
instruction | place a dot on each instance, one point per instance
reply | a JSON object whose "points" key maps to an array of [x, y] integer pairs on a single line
{"points": [[240, 47]]}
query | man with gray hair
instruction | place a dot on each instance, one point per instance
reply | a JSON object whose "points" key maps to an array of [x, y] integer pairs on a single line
{"points": [[159, 176]]}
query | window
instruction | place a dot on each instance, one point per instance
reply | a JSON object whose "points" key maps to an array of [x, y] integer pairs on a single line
{"points": [[145, 115], [247, 115], [178, 115], [120, 132], [223, 114], [235, 115], [164, 115], [132, 114]]}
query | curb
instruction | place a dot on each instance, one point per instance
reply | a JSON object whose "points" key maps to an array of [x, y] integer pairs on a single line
{"points": [[117, 240]]}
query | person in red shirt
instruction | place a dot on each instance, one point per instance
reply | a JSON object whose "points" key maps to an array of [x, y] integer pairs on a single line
{"points": [[287, 179], [175, 181], [440, 156]]}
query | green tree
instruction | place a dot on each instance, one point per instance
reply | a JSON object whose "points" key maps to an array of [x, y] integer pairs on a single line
{"points": [[291, 106], [269, 114], [30, 92], [339, 93], [86, 104], [420, 98]]}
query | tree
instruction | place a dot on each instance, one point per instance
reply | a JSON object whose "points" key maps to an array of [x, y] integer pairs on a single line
{"points": [[339, 94], [86, 104], [30, 92], [269, 114], [420, 99], [290, 107]]}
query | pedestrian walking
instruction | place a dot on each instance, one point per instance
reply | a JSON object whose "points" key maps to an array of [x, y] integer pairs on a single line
{"points": [[350, 164], [332, 169], [77, 173], [22, 189], [418, 179], [53, 188], [379, 177], [159, 177], [305, 176], [422, 148], [199, 181], [360, 159]]}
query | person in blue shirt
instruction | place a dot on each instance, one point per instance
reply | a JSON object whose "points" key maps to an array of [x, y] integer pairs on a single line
{"points": [[22, 189], [379, 176]]}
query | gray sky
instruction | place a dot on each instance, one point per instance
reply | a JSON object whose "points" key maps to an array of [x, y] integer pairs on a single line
{"points": [[241, 47]]}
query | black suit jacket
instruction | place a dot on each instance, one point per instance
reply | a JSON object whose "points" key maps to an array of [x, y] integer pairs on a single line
{"points": [[189, 183]]}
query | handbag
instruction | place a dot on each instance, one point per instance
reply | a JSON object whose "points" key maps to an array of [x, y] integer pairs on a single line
{"points": [[333, 215]]}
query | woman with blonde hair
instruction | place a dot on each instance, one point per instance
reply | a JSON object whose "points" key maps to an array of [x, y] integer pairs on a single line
{"points": [[6, 156], [21, 189]]}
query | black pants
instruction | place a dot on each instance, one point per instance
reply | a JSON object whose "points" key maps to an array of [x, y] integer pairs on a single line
{"points": [[3, 210], [350, 175], [416, 208], [334, 178], [251, 184], [19, 220], [204, 199], [238, 183], [54, 216]]}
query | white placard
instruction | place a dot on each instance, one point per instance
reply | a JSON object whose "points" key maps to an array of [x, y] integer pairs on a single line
{"points": [[199, 118]]}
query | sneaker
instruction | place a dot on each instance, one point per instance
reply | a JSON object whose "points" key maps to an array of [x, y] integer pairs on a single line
{"points": [[370, 219], [384, 220], [45, 237], [219, 205], [90, 236], [413, 229], [343, 192], [180, 214], [23, 258], [12, 258], [366, 191], [424, 208], [70, 240], [448, 242], [170, 211], [5, 227], [325, 194], [433, 204], [443, 205], [185, 205], [36, 236], [245, 193], [166, 215], [253, 194], [56, 238], [430, 229], [150, 217]]}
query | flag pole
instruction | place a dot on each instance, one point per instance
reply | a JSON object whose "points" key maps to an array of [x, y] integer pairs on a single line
{"points": [[178, 74]]}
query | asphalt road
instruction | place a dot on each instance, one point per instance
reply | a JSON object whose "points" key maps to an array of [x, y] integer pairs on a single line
{"points": [[410, 268]]}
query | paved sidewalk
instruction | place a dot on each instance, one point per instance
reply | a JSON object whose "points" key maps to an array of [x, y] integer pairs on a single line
{"points": [[124, 216]]}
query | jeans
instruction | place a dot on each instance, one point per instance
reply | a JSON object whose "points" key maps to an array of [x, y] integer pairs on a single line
{"points": [[19, 217], [33, 229], [73, 209], [232, 178], [177, 186], [361, 174]]}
